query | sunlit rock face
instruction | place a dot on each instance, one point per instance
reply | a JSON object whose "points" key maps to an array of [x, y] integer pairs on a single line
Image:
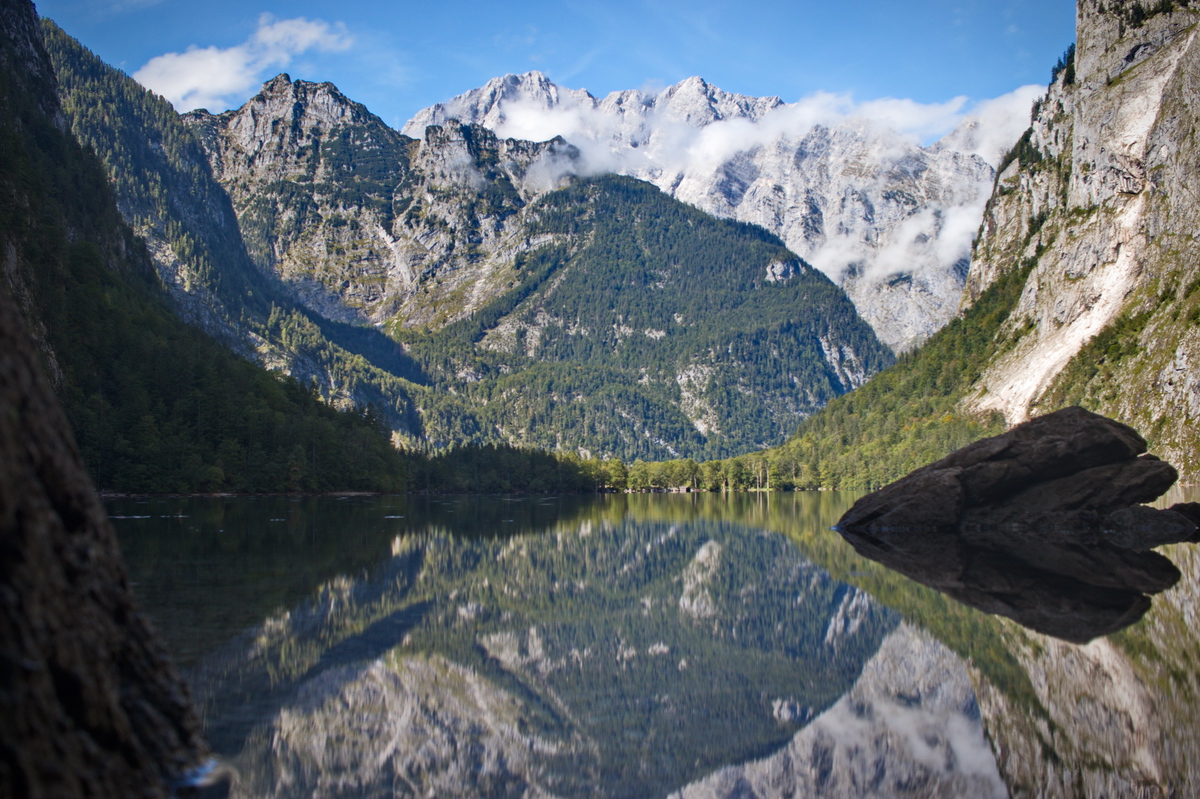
{"points": [[890, 220], [1100, 207], [356, 217]]}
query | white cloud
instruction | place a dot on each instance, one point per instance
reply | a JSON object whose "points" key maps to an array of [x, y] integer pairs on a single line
{"points": [[1002, 121], [605, 138], [215, 78]]}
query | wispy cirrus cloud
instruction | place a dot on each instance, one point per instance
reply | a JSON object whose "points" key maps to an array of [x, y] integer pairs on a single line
{"points": [[215, 78]]}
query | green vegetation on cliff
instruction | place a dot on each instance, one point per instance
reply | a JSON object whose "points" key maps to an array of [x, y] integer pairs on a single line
{"points": [[909, 415]]}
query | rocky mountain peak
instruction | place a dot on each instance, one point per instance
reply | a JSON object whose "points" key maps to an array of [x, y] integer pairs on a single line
{"points": [[698, 103], [287, 119], [486, 105], [305, 105]]}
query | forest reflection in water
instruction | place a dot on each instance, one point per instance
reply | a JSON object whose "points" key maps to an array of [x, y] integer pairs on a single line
{"points": [[639, 645]]}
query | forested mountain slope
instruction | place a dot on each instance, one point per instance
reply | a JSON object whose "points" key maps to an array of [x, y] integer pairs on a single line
{"points": [[1083, 283], [157, 405], [651, 329], [533, 307]]}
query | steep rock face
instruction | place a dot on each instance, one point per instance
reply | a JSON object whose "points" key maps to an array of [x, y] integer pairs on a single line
{"points": [[1099, 203], [357, 218], [163, 185], [889, 220], [92, 704]]}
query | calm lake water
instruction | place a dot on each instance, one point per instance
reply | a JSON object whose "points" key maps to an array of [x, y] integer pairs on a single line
{"points": [[633, 646]]}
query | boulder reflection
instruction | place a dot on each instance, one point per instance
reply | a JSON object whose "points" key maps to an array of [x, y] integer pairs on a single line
{"points": [[1061, 583]]}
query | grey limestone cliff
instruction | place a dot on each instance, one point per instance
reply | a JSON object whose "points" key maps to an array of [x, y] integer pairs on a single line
{"points": [[1100, 206]]}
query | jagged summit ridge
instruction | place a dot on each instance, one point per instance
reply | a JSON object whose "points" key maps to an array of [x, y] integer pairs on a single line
{"points": [[285, 115], [890, 220], [693, 101]]}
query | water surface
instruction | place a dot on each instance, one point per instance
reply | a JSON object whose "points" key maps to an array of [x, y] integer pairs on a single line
{"points": [[624, 646]]}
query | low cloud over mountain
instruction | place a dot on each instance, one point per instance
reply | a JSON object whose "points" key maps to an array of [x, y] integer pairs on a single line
{"points": [[884, 196]]}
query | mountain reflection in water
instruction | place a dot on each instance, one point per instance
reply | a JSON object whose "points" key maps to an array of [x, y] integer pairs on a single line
{"points": [[702, 647], [612, 646]]}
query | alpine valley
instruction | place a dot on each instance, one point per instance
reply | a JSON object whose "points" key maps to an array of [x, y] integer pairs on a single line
{"points": [[471, 289]]}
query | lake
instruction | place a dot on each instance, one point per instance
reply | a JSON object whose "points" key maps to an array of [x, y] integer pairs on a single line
{"points": [[634, 646]]}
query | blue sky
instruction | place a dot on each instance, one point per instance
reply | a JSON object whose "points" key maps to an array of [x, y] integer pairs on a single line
{"points": [[398, 57]]}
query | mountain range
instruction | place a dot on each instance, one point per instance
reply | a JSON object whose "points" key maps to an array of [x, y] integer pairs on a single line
{"points": [[471, 289], [891, 221]]}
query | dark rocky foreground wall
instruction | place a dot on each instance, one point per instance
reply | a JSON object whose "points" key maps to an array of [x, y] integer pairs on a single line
{"points": [[90, 704]]}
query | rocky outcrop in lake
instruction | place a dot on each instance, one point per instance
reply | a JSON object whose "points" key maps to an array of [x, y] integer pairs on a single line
{"points": [[1042, 524]]}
